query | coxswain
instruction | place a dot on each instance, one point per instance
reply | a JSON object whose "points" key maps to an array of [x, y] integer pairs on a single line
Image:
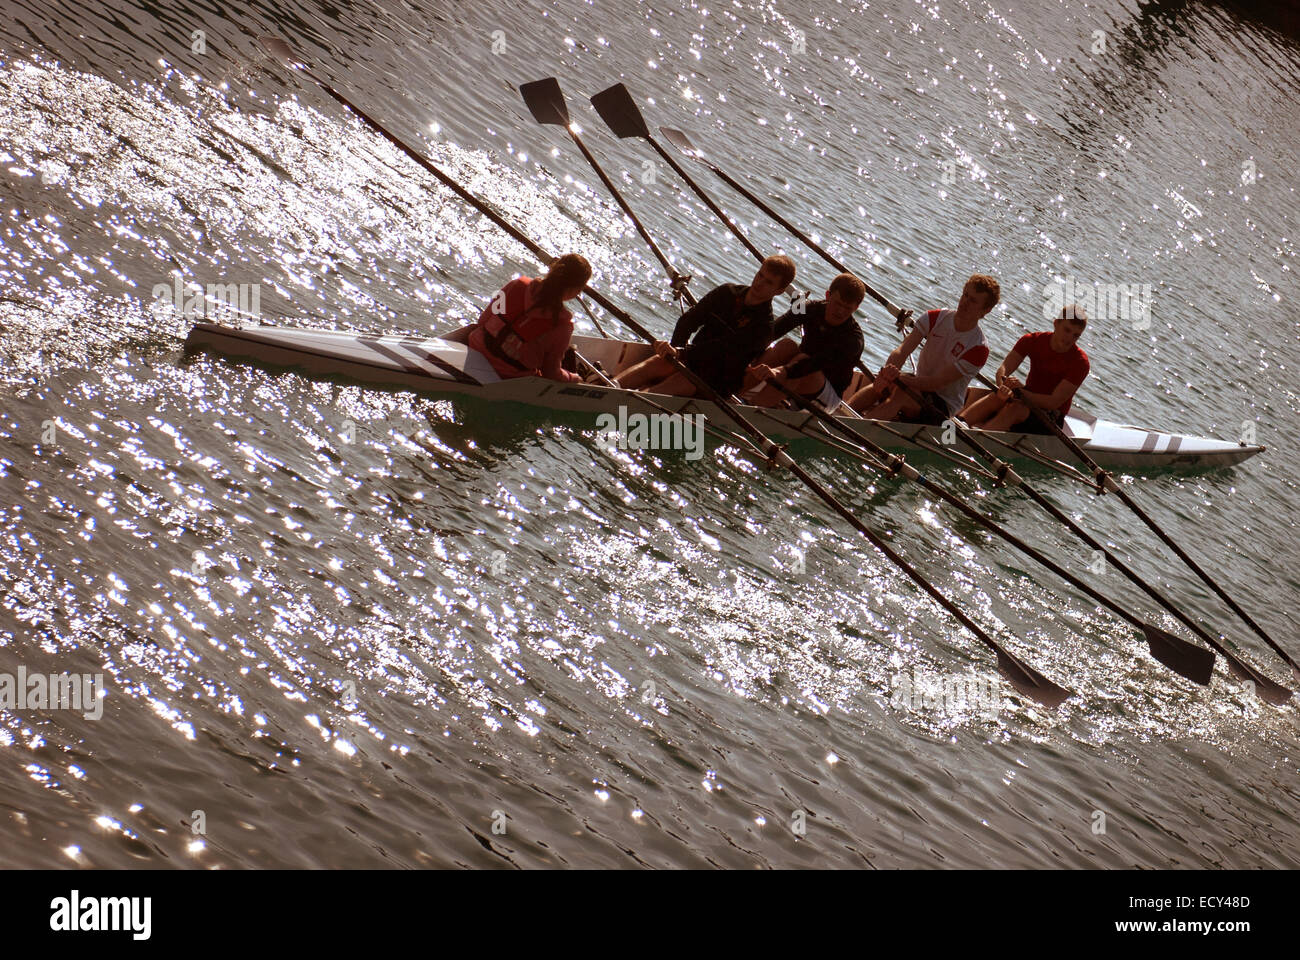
{"points": [[525, 330]]}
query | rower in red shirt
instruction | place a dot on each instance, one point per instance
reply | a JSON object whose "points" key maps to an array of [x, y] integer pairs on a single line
{"points": [[1057, 368]]}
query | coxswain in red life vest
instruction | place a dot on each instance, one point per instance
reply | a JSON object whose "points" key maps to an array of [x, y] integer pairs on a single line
{"points": [[526, 329]]}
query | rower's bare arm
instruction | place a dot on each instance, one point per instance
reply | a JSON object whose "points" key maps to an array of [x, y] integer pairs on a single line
{"points": [[904, 349], [1058, 398], [1009, 366], [936, 381]]}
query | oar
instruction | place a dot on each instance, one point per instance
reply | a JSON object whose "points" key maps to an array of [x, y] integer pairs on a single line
{"points": [[545, 100], [1193, 662], [1107, 481], [1022, 676], [1268, 689], [683, 143], [1169, 654]]}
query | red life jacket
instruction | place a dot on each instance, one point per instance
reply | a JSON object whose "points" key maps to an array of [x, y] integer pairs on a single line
{"points": [[509, 322]]}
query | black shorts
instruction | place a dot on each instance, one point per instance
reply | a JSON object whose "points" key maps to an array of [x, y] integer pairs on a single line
{"points": [[723, 371], [934, 410], [1031, 424]]}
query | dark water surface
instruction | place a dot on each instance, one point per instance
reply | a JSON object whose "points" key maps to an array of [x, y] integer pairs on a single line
{"points": [[343, 627]]}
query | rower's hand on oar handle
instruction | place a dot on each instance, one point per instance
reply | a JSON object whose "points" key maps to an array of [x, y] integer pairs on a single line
{"points": [[665, 349], [888, 374], [1010, 387], [762, 372]]}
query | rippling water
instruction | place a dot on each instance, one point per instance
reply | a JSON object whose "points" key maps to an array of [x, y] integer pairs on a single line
{"points": [[344, 627]]}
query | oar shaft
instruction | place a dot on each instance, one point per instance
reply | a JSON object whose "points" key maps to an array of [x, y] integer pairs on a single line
{"points": [[636, 222], [910, 473], [1274, 691], [523, 239], [802, 237], [708, 201], [1061, 517]]}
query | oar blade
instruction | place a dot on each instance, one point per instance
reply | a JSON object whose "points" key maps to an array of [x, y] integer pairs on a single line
{"points": [[278, 48], [546, 101], [1184, 658], [1268, 691], [620, 112], [1030, 682], [682, 142]]}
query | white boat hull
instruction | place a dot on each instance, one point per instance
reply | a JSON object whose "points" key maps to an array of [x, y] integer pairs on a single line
{"points": [[419, 364]]}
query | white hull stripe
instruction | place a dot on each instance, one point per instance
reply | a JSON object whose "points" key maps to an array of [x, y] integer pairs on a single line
{"points": [[390, 350], [417, 348], [407, 365]]}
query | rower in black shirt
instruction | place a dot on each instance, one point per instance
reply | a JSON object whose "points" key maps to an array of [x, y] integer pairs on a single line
{"points": [[820, 367], [728, 330]]}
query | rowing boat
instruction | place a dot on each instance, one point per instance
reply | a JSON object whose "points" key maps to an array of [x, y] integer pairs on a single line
{"points": [[427, 365]]}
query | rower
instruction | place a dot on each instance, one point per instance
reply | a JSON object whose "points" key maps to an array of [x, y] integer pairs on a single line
{"points": [[954, 352], [525, 330], [1057, 368], [820, 366], [732, 325]]}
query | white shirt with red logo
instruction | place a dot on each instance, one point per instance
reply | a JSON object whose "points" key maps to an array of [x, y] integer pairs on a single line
{"points": [[943, 345]]}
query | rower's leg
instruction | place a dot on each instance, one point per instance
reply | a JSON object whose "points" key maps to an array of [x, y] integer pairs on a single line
{"points": [[647, 371], [1008, 416], [900, 404], [985, 408], [869, 396], [808, 385], [676, 385], [779, 353]]}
